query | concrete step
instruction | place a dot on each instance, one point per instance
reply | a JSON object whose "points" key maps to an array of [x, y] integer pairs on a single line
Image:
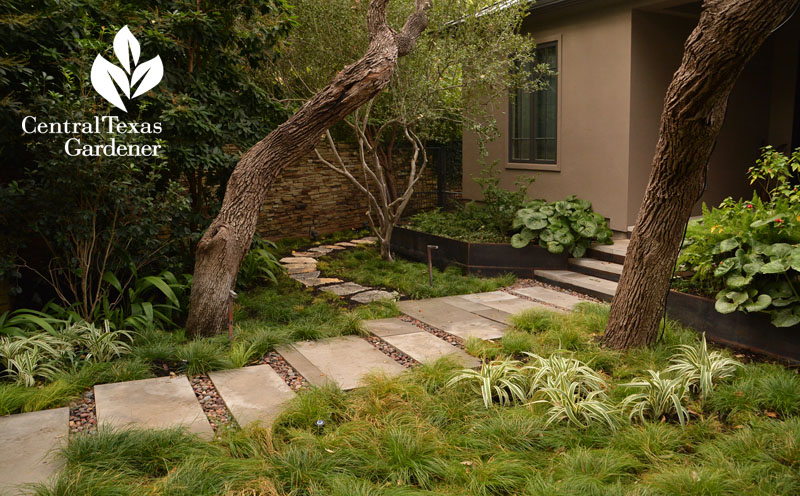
{"points": [[597, 268], [610, 253], [602, 289]]}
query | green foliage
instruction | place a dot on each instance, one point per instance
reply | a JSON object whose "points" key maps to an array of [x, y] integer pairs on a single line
{"points": [[365, 266], [115, 214], [260, 265], [498, 381], [657, 397], [569, 224], [746, 252], [501, 204], [200, 357], [699, 368]]}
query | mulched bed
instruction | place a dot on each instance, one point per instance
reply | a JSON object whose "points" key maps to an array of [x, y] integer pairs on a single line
{"points": [[83, 414], [288, 373], [213, 406], [453, 340], [396, 355]]}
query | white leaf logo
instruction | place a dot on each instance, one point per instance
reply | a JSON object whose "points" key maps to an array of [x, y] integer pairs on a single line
{"points": [[107, 77]]}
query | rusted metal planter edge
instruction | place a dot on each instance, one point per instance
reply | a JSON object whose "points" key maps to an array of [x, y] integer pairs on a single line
{"points": [[475, 258]]}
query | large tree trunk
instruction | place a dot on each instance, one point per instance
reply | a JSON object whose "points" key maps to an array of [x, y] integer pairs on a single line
{"points": [[726, 38], [227, 240]]}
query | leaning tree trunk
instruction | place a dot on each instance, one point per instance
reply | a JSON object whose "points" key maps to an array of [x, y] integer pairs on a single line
{"points": [[726, 38], [227, 240]]}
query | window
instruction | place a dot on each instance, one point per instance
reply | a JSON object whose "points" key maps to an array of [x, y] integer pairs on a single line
{"points": [[534, 115]]}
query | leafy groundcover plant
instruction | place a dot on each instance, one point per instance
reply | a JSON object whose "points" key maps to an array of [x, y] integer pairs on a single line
{"points": [[746, 252], [569, 224]]}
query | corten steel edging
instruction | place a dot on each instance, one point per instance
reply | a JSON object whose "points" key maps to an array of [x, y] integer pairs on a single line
{"points": [[746, 331], [475, 258]]}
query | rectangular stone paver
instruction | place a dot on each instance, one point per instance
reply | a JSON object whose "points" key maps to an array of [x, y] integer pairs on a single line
{"points": [[344, 360], [389, 327], [423, 346], [560, 299], [477, 308], [252, 393], [500, 300], [27, 442], [452, 319], [158, 403]]}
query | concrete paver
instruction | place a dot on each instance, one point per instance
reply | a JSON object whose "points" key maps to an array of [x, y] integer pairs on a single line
{"points": [[157, 403], [452, 319], [252, 393], [550, 296], [27, 442], [423, 346], [344, 360]]}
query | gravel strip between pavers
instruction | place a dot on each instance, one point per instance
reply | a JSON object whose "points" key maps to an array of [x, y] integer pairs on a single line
{"points": [[83, 414], [453, 340], [288, 373], [213, 406], [395, 354]]}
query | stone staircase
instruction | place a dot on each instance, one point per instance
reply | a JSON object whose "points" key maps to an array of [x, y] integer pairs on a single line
{"points": [[595, 275]]}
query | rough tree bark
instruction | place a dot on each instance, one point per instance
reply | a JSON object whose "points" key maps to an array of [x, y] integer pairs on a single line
{"points": [[727, 36], [227, 240]]}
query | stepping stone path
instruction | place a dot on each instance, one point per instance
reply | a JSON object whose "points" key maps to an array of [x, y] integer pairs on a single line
{"points": [[252, 394], [157, 403], [27, 441], [343, 360], [451, 319], [417, 343], [258, 393]]}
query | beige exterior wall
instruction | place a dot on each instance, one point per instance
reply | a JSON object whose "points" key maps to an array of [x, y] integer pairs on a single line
{"points": [[594, 89], [615, 64]]}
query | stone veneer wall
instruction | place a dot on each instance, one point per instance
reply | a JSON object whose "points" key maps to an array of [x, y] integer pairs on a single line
{"points": [[310, 195]]}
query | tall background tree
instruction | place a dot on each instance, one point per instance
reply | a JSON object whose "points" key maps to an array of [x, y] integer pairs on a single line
{"points": [[226, 241], [73, 219], [468, 45], [727, 36]]}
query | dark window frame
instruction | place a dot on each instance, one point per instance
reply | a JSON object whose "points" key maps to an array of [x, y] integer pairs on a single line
{"points": [[554, 80]]}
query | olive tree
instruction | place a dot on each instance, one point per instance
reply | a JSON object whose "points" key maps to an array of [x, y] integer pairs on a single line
{"points": [[470, 56]]}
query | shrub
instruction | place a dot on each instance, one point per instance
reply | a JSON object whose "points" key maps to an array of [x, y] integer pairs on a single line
{"points": [[568, 225], [746, 252]]}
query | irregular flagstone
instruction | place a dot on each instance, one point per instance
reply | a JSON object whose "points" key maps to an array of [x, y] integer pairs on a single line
{"points": [[333, 247], [362, 241], [452, 319], [300, 269], [27, 442], [252, 394], [320, 249], [373, 295], [306, 254], [298, 260], [311, 282], [305, 276], [345, 289], [158, 403], [346, 244], [560, 299], [343, 360]]}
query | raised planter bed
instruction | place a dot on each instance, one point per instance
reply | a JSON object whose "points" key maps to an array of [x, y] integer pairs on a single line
{"points": [[747, 331], [475, 258]]}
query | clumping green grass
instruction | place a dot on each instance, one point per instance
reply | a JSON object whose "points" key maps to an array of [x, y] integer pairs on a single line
{"points": [[414, 435], [365, 266]]}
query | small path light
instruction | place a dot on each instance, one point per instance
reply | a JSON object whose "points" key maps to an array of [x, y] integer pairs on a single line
{"points": [[232, 298], [430, 263], [319, 424]]}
